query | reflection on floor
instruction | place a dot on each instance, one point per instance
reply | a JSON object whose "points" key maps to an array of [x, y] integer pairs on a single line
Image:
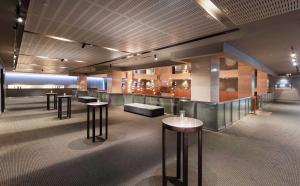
{"points": [[38, 149]]}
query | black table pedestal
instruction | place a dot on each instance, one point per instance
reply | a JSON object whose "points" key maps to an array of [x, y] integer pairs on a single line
{"points": [[182, 149], [60, 100], [54, 100], [93, 108]]}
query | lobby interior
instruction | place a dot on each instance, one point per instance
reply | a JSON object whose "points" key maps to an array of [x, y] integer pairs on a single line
{"points": [[149, 92]]}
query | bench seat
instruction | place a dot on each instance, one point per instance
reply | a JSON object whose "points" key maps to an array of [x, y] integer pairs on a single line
{"points": [[144, 109]]}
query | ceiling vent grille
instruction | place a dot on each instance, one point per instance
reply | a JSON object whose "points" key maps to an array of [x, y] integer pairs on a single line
{"points": [[245, 11]]}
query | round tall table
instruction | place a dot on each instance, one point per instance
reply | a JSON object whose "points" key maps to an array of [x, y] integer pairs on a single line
{"points": [[182, 126], [54, 100], [93, 106], [60, 100]]}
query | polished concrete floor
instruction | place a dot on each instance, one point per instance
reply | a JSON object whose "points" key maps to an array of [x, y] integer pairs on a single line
{"points": [[38, 149]]}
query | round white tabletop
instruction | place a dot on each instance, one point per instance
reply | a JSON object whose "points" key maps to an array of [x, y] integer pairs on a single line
{"points": [[51, 93], [97, 103], [182, 123]]}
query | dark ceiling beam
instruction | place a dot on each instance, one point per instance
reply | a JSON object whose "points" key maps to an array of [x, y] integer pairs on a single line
{"points": [[167, 47], [21, 11]]}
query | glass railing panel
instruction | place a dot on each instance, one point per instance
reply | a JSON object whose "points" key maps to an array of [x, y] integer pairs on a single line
{"points": [[221, 116], [168, 104], [242, 108], [116, 99], [235, 111], [128, 98], [152, 100], [189, 108], [228, 113], [138, 98], [207, 113]]}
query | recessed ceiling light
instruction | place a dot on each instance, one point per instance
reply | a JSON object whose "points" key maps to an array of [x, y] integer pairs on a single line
{"points": [[295, 64], [15, 56], [47, 58], [43, 57], [210, 8], [20, 20], [63, 67], [79, 61], [111, 49], [293, 55], [293, 59], [60, 38], [214, 70]]}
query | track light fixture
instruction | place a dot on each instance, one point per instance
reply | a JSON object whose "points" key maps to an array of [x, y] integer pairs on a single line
{"points": [[83, 45], [294, 58], [20, 20], [155, 57]]}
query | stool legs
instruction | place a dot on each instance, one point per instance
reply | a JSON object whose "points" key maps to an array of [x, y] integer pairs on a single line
{"points": [[55, 102], [178, 155], [106, 122], [88, 123], [100, 121], [200, 157], [94, 124], [185, 159], [164, 180], [48, 102]]}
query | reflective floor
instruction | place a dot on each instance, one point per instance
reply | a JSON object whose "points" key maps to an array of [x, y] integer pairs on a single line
{"points": [[38, 149]]}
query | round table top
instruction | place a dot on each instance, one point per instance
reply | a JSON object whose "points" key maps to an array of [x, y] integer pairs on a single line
{"points": [[97, 103], [65, 96], [182, 123], [51, 93]]}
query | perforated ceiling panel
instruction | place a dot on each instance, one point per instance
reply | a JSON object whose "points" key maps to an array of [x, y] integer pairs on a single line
{"points": [[128, 25], [245, 11]]}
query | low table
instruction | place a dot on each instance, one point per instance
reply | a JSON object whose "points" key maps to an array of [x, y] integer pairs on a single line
{"points": [[182, 126], [54, 100], [60, 100], [144, 109], [86, 99], [93, 106]]}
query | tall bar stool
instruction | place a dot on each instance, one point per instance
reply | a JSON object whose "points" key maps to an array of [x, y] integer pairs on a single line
{"points": [[60, 100], [92, 106], [182, 126], [49, 95]]}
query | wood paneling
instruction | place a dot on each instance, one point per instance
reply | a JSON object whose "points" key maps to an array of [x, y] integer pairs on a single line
{"points": [[262, 82], [245, 75], [228, 73], [82, 82], [225, 95]]}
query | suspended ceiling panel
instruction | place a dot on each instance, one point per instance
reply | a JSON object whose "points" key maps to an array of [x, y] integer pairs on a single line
{"points": [[127, 25], [245, 11]]}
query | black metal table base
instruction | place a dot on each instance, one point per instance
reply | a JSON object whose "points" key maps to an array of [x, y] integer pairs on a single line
{"points": [[93, 108], [54, 101], [181, 159], [60, 100]]}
